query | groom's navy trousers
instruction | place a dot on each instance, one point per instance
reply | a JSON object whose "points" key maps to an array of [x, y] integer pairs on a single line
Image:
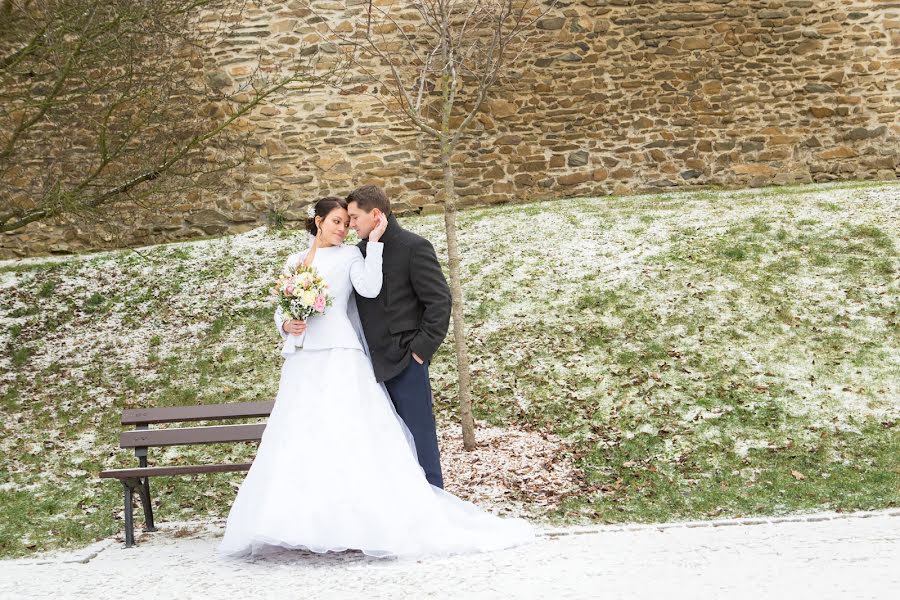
{"points": [[411, 394], [410, 315]]}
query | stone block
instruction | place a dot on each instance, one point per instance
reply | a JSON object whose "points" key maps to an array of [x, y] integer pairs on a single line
{"points": [[578, 159], [777, 140], [821, 112], [838, 152], [600, 174], [283, 26], [695, 43], [500, 108], [417, 185], [861, 133], [573, 178], [551, 23], [753, 169], [208, 220], [818, 88]]}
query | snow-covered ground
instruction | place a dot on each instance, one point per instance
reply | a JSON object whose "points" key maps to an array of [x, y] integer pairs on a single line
{"points": [[822, 556], [708, 345]]}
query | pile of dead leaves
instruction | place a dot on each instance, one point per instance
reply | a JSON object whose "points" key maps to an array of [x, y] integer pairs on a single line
{"points": [[512, 471]]}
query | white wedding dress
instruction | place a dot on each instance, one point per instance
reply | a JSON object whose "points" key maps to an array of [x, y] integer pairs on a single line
{"points": [[336, 467]]}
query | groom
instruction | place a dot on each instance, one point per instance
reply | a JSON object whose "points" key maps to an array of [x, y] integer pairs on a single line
{"points": [[405, 324]]}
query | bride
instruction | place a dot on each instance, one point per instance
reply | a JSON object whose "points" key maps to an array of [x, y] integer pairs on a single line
{"points": [[336, 467]]}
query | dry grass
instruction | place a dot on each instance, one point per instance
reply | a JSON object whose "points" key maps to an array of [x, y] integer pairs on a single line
{"points": [[642, 358]]}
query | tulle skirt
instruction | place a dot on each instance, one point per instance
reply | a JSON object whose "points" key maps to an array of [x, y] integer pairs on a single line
{"points": [[336, 470]]}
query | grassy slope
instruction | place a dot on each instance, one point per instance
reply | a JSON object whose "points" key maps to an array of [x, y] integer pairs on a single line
{"points": [[705, 354]]}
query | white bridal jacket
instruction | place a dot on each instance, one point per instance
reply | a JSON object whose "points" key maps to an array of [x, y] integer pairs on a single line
{"points": [[344, 270]]}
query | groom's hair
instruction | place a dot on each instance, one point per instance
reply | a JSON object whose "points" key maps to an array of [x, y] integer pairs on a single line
{"points": [[368, 197]]}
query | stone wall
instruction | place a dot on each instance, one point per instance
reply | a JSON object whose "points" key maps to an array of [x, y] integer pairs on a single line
{"points": [[624, 96]]}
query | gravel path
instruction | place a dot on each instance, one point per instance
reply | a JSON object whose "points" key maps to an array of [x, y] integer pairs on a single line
{"points": [[820, 556]]}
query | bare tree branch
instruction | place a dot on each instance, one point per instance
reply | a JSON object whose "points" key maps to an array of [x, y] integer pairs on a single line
{"points": [[105, 102], [459, 50], [11, 220]]}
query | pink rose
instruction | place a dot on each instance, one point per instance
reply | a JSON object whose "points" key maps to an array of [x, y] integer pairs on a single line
{"points": [[289, 289], [319, 306]]}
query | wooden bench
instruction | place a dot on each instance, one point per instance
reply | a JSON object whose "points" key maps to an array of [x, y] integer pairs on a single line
{"points": [[141, 438]]}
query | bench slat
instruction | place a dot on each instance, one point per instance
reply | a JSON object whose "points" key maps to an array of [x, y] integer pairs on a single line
{"points": [[198, 412], [180, 470], [192, 435]]}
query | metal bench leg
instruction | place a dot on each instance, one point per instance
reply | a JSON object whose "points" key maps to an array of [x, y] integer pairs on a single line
{"points": [[144, 493], [143, 488], [129, 515]]}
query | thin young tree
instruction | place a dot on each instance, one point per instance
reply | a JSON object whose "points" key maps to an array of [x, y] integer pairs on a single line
{"points": [[109, 103], [435, 62]]}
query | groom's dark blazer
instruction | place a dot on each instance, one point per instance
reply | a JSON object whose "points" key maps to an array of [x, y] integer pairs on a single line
{"points": [[412, 312]]}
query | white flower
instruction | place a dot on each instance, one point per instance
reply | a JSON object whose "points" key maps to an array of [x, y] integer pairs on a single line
{"points": [[308, 297]]}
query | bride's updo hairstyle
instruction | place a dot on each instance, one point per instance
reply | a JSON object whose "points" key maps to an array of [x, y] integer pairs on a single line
{"points": [[322, 208]]}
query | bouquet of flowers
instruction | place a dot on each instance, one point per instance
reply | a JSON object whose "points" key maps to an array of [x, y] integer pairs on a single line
{"points": [[301, 293]]}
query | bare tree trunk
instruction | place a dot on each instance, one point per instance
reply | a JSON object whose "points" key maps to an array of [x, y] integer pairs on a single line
{"points": [[461, 50], [459, 327]]}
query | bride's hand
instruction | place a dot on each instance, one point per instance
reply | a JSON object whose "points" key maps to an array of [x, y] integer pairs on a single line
{"points": [[380, 226], [294, 327]]}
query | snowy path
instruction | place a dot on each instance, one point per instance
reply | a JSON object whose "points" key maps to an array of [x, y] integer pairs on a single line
{"points": [[819, 556]]}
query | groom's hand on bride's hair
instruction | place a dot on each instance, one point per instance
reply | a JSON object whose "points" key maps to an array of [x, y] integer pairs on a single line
{"points": [[294, 327]]}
